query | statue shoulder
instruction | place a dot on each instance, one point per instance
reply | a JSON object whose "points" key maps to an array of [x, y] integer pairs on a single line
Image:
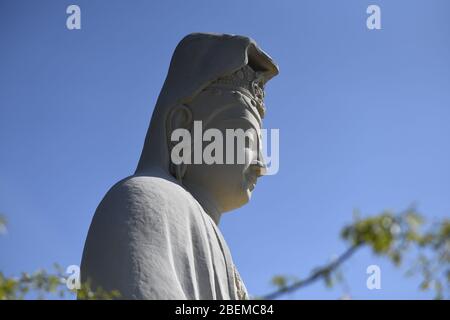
{"points": [[144, 194], [129, 243]]}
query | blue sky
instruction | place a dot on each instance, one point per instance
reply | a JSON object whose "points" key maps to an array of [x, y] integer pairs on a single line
{"points": [[363, 118]]}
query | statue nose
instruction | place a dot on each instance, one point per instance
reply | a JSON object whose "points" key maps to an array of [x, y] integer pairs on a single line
{"points": [[262, 163]]}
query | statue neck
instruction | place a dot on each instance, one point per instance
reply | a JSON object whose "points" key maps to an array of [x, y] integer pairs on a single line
{"points": [[206, 201]]}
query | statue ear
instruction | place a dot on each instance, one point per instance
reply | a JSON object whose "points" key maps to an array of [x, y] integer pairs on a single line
{"points": [[180, 117]]}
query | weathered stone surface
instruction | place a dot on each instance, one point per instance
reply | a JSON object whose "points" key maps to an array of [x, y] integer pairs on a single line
{"points": [[155, 235]]}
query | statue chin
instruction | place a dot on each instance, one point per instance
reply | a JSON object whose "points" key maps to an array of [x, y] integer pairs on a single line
{"points": [[238, 200]]}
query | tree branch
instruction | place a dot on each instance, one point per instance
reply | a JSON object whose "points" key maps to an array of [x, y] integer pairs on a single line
{"points": [[321, 272]]}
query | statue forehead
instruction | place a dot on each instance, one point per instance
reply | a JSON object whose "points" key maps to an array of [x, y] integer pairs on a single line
{"points": [[249, 83], [217, 104]]}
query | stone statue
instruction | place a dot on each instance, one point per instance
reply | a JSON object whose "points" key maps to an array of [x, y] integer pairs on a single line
{"points": [[155, 234]]}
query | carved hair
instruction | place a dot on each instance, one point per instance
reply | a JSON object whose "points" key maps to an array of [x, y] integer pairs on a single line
{"points": [[248, 82]]}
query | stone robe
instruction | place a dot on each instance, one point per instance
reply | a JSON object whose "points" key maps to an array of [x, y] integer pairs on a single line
{"points": [[150, 239]]}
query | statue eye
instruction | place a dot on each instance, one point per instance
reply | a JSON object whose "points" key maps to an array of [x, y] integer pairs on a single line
{"points": [[250, 142]]}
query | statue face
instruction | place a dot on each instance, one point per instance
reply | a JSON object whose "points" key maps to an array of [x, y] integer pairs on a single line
{"points": [[230, 185]]}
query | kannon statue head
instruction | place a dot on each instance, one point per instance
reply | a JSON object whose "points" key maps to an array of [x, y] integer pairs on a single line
{"points": [[217, 81]]}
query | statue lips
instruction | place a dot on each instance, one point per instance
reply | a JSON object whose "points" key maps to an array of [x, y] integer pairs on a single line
{"points": [[252, 174]]}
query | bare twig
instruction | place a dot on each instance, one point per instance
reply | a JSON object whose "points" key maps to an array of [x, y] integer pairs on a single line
{"points": [[321, 272]]}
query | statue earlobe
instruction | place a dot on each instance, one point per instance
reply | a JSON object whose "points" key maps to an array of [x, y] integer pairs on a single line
{"points": [[180, 171]]}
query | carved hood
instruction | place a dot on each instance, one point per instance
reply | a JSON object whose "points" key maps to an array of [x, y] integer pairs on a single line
{"points": [[198, 60]]}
